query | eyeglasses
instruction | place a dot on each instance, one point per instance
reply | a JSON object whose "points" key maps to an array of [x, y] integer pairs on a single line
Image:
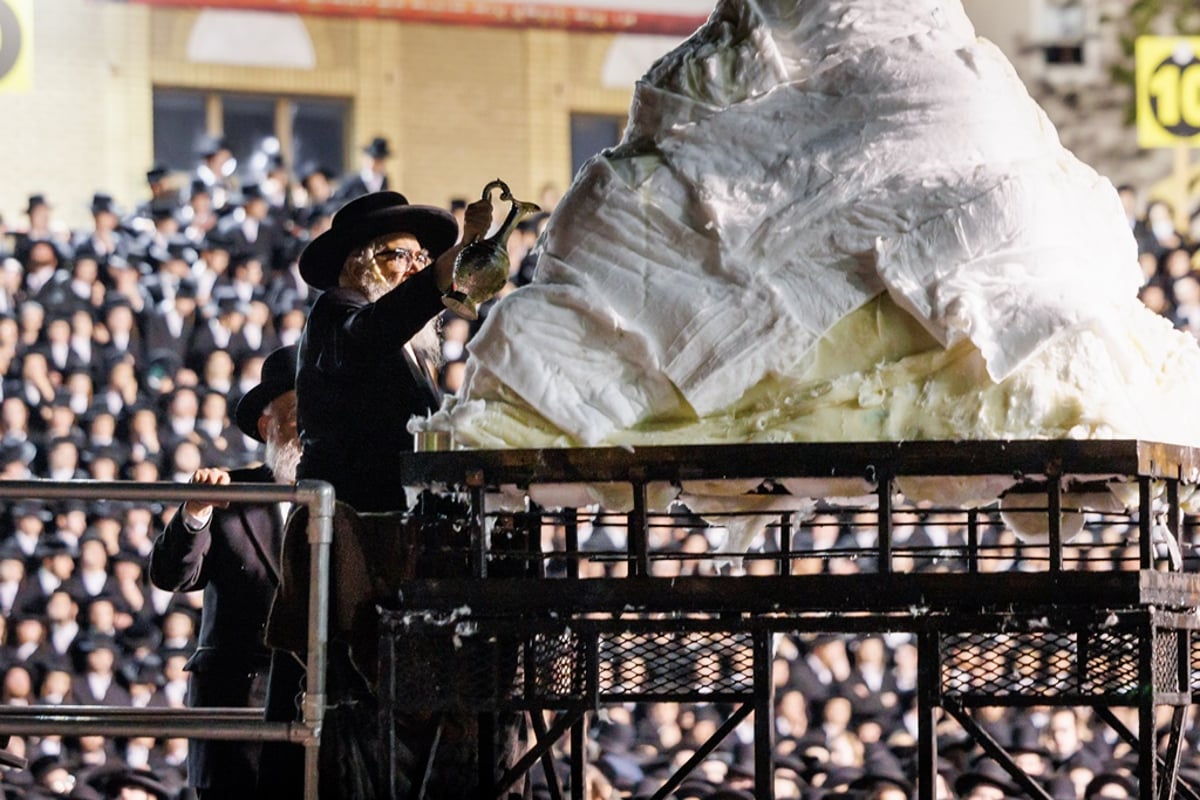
{"points": [[419, 257]]}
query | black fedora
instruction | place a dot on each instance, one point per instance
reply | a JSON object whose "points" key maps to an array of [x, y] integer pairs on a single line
{"points": [[157, 173], [36, 201], [103, 202], [311, 168], [278, 377], [378, 148], [986, 772], [369, 217]]}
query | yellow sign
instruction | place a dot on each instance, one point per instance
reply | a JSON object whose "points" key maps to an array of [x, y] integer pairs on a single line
{"points": [[16, 45], [1168, 90]]}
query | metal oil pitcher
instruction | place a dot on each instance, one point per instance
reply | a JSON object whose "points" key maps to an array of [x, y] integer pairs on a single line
{"points": [[481, 267]]}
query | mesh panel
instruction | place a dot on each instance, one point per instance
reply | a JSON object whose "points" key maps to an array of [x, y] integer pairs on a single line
{"points": [[1195, 652], [1166, 661], [1112, 662], [1040, 663], [557, 664], [661, 663]]}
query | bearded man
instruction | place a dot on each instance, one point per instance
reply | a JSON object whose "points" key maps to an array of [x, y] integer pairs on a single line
{"points": [[232, 553], [369, 348]]}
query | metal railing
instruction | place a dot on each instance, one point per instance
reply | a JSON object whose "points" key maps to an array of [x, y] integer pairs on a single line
{"points": [[239, 724]]}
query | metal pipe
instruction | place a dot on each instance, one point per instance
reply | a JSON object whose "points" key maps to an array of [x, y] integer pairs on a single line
{"points": [[232, 724], [764, 715], [1054, 498], [885, 523], [320, 537], [184, 725], [929, 677], [1145, 521]]}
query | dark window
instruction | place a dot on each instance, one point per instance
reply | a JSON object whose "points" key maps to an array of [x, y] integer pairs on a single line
{"points": [[248, 122], [178, 127], [319, 133], [315, 129], [1064, 54], [591, 133]]}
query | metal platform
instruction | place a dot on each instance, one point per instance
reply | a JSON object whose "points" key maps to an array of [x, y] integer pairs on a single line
{"points": [[1060, 635]]}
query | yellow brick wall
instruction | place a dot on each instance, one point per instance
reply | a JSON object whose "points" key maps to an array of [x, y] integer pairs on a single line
{"points": [[459, 105], [85, 126]]}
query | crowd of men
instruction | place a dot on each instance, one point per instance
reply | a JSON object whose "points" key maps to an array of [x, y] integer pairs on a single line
{"points": [[124, 347]]}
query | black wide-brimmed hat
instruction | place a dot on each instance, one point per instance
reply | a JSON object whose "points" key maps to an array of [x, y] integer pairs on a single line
{"points": [[157, 172], [278, 377], [103, 202], [378, 148], [112, 781], [367, 218], [987, 772]]}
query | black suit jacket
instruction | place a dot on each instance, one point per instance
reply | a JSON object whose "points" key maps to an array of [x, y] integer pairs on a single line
{"points": [[235, 560], [268, 246], [357, 386], [353, 186], [82, 695], [158, 335]]}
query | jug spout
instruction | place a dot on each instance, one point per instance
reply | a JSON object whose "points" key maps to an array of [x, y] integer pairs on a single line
{"points": [[481, 267]]}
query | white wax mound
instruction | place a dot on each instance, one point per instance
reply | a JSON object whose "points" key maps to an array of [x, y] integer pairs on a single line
{"points": [[830, 221]]}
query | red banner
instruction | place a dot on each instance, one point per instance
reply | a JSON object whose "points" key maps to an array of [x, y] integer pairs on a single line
{"points": [[671, 17]]}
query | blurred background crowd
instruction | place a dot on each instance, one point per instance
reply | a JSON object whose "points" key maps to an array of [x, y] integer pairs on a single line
{"points": [[124, 347]]}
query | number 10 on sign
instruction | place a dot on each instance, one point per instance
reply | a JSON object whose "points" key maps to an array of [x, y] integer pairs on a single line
{"points": [[1168, 91]]}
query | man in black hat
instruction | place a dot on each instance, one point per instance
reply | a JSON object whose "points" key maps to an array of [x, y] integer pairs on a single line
{"points": [[255, 232], [105, 238], [39, 228], [232, 553], [987, 780], [124, 783], [318, 184], [162, 193], [367, 350], [216, 168], [371, 177]]}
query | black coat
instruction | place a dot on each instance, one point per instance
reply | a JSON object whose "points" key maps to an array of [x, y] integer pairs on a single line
{"points": [[158, 336], [357, 386], [353, 186], [235, 560]]}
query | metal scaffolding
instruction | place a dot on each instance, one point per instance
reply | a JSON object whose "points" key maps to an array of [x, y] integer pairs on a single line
{"points": [[540, 639], [1064, 635]]}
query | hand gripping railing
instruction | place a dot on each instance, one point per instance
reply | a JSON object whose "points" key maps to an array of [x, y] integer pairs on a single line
{"points": [[240, 724]]}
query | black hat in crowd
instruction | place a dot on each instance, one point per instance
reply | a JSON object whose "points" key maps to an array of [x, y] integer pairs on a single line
{"points": [[102, 203], [985, 771], [31, 508], [311, 168], [211, 145], [251, 191], [111, 783], [278, 377], [367, 218], [378, 148], [157, 172], [13, 452]]}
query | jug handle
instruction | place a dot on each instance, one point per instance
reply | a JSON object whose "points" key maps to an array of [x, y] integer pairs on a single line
{"points": [[505, 194]]}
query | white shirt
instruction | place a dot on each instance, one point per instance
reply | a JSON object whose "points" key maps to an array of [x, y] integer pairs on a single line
{"points": [[98, 684], [62, 635]]}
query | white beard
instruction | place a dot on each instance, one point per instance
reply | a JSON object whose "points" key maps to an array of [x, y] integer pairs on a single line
{"points": [[283, 458]]}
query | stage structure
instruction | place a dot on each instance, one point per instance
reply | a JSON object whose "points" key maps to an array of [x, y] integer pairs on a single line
{"points": [[1066, 630]]}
